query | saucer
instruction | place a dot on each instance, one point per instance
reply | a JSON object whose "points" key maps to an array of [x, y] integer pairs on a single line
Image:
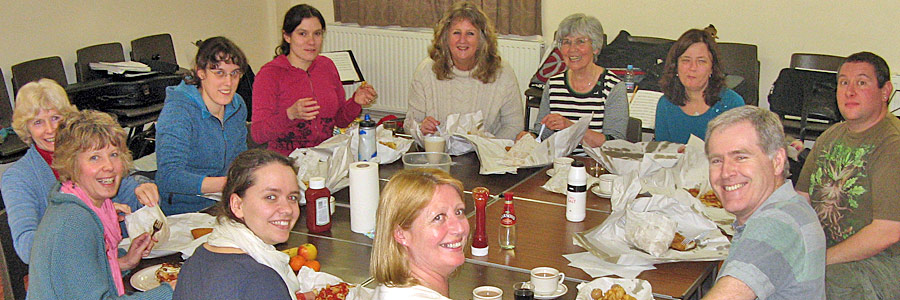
{"points": [[560, 290], [596, 191]]}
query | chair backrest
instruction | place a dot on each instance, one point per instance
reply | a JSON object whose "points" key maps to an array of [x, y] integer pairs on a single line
{"points": [[47, 67], [14, 267], [812, 61], [110, 52], [742, 60], [155, 47], [633, 131], [649, 40], [5, 104]]}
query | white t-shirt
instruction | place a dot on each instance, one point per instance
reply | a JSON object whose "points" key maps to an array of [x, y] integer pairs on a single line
{"points": [[412, 292]]}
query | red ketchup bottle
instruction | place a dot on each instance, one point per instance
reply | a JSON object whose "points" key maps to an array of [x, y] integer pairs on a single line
{"points": [[318, 206], [479, 241]]}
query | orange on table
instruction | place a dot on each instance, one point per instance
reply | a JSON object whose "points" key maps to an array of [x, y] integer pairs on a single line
{"points": [[297, 262], [312, 264]]}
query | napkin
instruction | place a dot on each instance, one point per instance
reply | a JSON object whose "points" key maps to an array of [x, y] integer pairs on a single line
{"points": [[452, 128], [141, 221], [597, 267], [496, 160], [311, 280]]}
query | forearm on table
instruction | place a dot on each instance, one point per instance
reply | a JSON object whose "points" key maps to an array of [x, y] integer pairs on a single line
{"points": [[869, 241], [593, 139], [730, 288]]}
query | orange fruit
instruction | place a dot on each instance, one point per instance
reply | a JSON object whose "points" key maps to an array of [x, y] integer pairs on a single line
{"points": [[308, 251], [297, 262], [312, 264]]}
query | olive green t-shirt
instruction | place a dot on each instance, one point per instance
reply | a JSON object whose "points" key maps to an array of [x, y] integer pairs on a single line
{"points": [[853, 178]]}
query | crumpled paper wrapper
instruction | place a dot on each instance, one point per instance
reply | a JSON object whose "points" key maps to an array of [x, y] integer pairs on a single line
{"points": [[638, 288], [652, 232], [385, 153], [452, 129], [496, 160], [180, 237], [597, 267], [312, 280], [141, 221]]}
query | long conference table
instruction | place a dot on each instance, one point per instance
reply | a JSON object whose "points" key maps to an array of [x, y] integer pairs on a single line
{"points": [[543, 235]]}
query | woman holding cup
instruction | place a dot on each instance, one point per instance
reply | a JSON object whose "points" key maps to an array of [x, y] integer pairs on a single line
{"points": [[423, 229]]}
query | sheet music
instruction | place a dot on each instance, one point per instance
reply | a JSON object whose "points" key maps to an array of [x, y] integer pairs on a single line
{"points": [[643, 107], [345, 64]]}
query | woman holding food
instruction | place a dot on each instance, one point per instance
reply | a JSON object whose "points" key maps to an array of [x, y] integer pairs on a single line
{"points": [[298, 98], [201, 128], [258, 209], [40, 107], [585, 89], [79, 235], [694, 89], [465, 74], [422, 230]]}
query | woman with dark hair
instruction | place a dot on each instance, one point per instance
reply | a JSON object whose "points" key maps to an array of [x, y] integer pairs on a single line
{"points": [[298, 98], [464, 74], [75, 253], [258, 209], [694, 89], [585, 89], [201, 128]]}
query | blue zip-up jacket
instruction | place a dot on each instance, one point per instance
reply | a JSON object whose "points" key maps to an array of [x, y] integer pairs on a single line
{"points": [[192, 144]]}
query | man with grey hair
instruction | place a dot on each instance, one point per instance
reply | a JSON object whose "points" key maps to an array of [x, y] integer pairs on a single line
{"points": [[852, 177], [778, 250]]}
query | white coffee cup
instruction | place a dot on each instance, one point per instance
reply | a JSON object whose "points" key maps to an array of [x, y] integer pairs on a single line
{"points": [[546, 280], [562, 164], [605, 183], [487, 293]]}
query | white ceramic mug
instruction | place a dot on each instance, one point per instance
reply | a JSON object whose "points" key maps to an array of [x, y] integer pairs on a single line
{"points": [[487, 293], [546, 280], [562, 164], [605, 183]]}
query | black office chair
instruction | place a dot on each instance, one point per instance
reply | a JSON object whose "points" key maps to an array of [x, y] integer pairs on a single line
{"points": [[47, 67], [15, 269], [823, 62], [12, 148], [109, 52], [155, 47], [742, 60]]}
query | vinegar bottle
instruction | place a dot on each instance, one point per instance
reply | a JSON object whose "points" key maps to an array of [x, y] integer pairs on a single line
{"points": [[479, 241], [508, 223], [318, 206]]}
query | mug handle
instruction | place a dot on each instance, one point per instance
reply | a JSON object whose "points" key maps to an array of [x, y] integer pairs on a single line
{"points": [[562, 277]]}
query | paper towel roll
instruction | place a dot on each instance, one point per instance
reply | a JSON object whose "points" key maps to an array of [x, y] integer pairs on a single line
{"points": [[364, 195]]}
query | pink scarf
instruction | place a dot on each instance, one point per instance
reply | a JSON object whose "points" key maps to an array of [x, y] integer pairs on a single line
{"points": [[112, 234]]}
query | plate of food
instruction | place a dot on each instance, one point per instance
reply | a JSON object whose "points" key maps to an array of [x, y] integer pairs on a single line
{"points": [[152, 276], [605, 288]]}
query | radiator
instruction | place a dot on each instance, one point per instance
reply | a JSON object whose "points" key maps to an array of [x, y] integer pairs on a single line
{"points": [[387, 59]]}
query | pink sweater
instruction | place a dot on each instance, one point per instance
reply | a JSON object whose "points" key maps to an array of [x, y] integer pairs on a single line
{"points": [[279, 85]]}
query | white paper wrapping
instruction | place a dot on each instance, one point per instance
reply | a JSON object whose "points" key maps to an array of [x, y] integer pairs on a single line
{"points": [[142, 221], [450, 129], [364, 195], [180, 237]]}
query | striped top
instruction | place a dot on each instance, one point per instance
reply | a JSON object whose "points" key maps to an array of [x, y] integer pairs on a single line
{"points": [[573, 105]]}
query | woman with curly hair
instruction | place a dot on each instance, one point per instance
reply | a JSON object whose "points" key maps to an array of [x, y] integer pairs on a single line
{"points": [[694, 88], [465, 74]]}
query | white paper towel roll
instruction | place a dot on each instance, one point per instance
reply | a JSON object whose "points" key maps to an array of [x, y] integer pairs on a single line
{"points": [[364, 195]]}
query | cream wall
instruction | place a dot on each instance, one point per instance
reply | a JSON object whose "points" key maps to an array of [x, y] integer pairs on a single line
{"points": [[36, 29]]}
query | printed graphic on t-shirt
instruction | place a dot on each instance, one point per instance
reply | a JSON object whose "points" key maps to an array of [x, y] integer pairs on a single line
{"points": [[836, 190], [307, 134]]}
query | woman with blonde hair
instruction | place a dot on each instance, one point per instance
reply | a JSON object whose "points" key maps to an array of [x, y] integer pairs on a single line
{"points": [[76, 252], [40, 107], [465, 74], [422, 229]]}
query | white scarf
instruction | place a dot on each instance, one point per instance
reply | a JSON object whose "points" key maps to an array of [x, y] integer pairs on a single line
{"points": [[228, 233]]}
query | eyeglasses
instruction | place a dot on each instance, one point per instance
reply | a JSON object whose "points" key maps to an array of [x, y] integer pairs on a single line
{"points": [[577, 42], [221, 74]]}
